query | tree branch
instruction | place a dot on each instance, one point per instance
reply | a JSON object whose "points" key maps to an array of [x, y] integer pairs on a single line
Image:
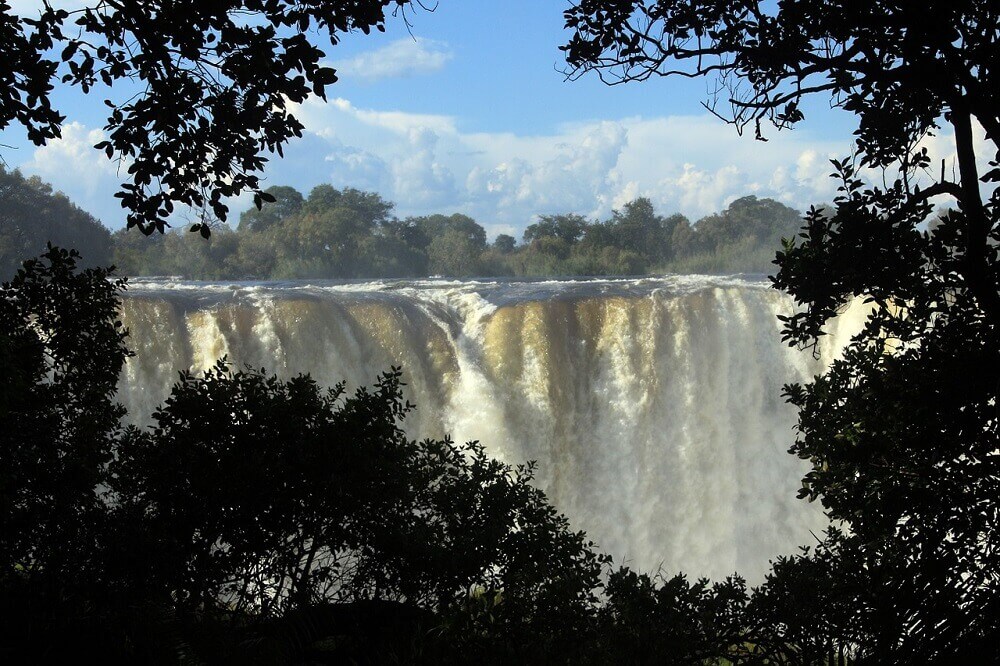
{"points": [[977, 225]]}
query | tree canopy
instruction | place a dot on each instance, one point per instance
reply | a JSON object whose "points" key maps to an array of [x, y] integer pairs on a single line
{"points": [[271, 521], [251, 501], [902, 432], [205, 88], [31, 215], [348, 233]]}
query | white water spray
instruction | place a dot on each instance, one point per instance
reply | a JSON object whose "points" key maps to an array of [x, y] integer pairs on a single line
{"points": [[651, 405]]}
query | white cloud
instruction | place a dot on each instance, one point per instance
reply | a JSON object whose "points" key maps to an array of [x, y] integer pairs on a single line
{"points": [[72, 160], [403, 57], [327, 120], [419, 178], [427, 163], [696, 189], [90, 179], [556, 175], [689, 164], [357, 168]]}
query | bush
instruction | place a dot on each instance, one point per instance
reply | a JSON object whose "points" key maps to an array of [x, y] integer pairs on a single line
{"points": [[255, 511]]}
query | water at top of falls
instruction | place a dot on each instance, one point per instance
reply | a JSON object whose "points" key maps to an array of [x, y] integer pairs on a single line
{"points": [[652, 405], [496, 292]]}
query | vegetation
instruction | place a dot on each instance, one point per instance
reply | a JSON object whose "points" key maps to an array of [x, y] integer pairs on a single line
{"points": [[31, 216], [902, 433], [348, 233], [146, 546], [274, 522], [352, 234], [251, 502], [205, 88]]}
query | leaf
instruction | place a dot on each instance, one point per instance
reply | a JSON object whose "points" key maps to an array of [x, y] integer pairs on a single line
{"points": [[325, 76], [991, 176], [70, 50]]}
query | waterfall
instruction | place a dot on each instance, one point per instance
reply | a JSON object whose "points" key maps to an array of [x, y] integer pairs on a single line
{"points": [[652, 406]]}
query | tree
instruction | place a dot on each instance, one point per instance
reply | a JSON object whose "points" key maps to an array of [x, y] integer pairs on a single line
{"points": [[287, 202], [332, 235], [504, 243], [569, 228], [255, 513], [638, 228], [902, 432], [353, 509], [687, 623], [764, 221], [437, 225], [61, 355], [206, 88], [61, 348], [453, 253], [396, 249], [743, 237], [322, 198], [31, 216], [902, 69]]}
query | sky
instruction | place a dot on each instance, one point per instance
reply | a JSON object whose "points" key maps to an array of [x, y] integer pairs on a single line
{"points": [[467, 111]]}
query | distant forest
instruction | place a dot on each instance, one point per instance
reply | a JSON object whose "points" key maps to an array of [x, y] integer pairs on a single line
{"points": [[32, 214], [349, 233]]}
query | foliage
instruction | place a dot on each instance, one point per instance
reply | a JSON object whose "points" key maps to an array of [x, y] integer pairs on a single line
{"points": [[31, 215], [902, 432], [61, 348], [896, 66], [569, 228], [252, 507], [352, 234], [504, 243], [271, 521], [287, 202], [206, 88], [699, 623], [370, 514]]}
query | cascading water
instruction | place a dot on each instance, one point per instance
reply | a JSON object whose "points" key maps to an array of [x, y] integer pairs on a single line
{"points": [[651, 405]]}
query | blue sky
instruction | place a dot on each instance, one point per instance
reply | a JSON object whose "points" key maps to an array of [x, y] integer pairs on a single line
{"points": [[467, 112]]}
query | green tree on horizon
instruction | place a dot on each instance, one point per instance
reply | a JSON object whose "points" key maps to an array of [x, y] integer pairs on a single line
{"points": [[32, 215], [206, 90]]}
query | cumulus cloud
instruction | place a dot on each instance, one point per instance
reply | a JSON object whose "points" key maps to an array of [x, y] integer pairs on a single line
{"points": [[689, 164], [695, 189], [403, 57], [357, 168], [428, 163], [72, 160], [557, 176], [72, 166], [419, 177]]}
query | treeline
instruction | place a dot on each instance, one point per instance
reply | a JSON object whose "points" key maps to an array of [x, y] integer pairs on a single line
{"points": [[31, 215], [348, 233]]}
